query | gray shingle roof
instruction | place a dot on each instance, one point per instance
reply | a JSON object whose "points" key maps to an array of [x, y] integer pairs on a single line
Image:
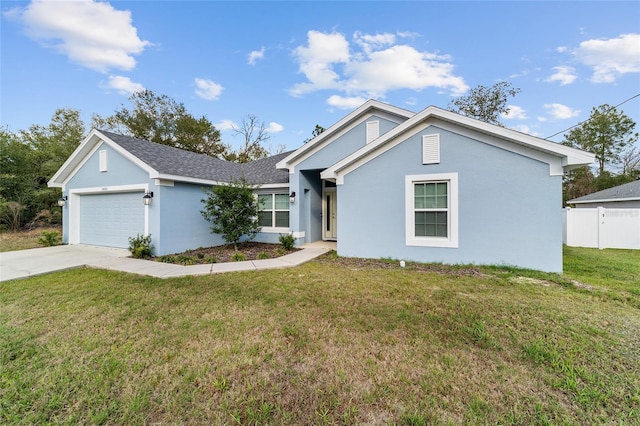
{"points": [[178, 162], [625, 191]]}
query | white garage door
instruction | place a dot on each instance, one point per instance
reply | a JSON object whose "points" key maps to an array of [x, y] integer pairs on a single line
{"points": [[110, 219]]}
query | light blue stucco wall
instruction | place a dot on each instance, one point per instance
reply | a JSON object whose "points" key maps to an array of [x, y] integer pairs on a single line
{"points": [[306, 214], [120, 171], [175, 221], [508, 206]]}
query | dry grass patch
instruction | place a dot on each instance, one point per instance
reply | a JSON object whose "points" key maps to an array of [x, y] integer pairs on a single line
{"points": [[23, 240], [324, 343]]}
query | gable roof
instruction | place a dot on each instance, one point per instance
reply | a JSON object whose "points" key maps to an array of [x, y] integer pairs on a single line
{"points": [[368, 108], [625, 192], [166, 162], [559, 157]]}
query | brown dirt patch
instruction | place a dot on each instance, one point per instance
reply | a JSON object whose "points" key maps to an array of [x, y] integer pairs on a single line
{"points": [[225, 253], [356, 263]]}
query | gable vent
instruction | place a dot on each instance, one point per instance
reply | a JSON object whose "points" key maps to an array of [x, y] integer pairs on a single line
{"points": [[431, 149], [373, 130], [103, 160]]}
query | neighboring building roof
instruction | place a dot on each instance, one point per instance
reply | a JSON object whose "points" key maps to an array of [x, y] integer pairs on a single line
{"points": [[559, 157], [166, 162], [625, 192]]}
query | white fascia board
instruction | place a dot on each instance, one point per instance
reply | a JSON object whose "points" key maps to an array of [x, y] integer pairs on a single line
{"points": [[77, 157], [208, 182], [570, 156], [604, 200], [337, 129], [559, 157], [86, 148]]}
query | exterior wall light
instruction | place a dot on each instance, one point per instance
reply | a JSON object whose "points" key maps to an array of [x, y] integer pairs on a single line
{"points": [[146, 199], [292, 197], [62, 201]]}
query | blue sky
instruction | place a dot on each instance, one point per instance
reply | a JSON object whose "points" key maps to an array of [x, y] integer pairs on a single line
{"points": [[298, 64]]}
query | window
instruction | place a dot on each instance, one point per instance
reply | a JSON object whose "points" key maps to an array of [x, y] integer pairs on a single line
{"points": [[432, 210], [274, 210]]}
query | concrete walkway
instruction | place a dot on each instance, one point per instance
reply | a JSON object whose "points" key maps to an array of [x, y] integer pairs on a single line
{"points": [[27, 263]]}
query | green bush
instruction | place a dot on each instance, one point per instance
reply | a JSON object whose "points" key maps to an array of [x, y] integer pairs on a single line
{"points": [[185, 259], [50, 238], [140, 246], [239, 257], [167, 258], [263, 255], [287, 241]]}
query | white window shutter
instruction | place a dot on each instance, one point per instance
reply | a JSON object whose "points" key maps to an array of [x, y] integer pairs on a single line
{"points": [[373, 130], [103, 160], [431, 149]]}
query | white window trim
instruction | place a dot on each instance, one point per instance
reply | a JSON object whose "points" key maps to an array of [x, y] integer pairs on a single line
{"points": [[274, 229], [410, 239]]}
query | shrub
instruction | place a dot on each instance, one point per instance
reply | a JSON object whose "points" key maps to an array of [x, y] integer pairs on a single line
{"points": [[263, 255], [211, 259], [185, 259], [233, 211], [239, 257], [140, 246], [49, 238], [287, 241], [167, 258]]}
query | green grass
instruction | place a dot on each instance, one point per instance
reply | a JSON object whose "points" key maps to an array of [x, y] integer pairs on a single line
{"points": [[327, 343]]}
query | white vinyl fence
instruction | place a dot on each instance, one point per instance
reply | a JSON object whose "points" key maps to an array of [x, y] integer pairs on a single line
{"points": [[602, 228]]}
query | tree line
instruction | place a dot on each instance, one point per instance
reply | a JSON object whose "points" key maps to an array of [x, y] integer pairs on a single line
{"points": [[29, 158]]}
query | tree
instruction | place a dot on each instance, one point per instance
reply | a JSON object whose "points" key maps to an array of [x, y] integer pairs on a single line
{"points": [[630, 163], [255, 135], [316, 131], [29, 159], [606, 133], [160, 119], [485, 103], [232, 211]]}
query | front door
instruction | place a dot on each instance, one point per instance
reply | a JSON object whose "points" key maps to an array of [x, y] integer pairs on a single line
{"points": [[329, 215]]}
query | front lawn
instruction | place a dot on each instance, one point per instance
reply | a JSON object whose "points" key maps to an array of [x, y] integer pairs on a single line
{"points": [[335, 341]]}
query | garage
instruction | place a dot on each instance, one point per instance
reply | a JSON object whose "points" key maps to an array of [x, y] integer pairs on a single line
{"points": [[110, 219]]}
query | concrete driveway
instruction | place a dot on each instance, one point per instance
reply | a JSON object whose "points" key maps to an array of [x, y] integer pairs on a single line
{"points": [[26, 263]]}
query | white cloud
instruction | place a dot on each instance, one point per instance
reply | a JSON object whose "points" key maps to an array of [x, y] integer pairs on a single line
{"points": [[561, 112], [371, 66], [208, 89], [90, 33], [610, 58], [515, 113], [123, 85], [254, 55], [564, 74], [225, 125], [274, 128], [317, 61], [344, 102]]}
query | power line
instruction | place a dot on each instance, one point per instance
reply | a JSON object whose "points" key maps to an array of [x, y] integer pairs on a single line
{"points": [[588, 119]]}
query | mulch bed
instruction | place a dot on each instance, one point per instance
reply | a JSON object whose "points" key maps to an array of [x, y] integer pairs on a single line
{"points": [[222, 254]]}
